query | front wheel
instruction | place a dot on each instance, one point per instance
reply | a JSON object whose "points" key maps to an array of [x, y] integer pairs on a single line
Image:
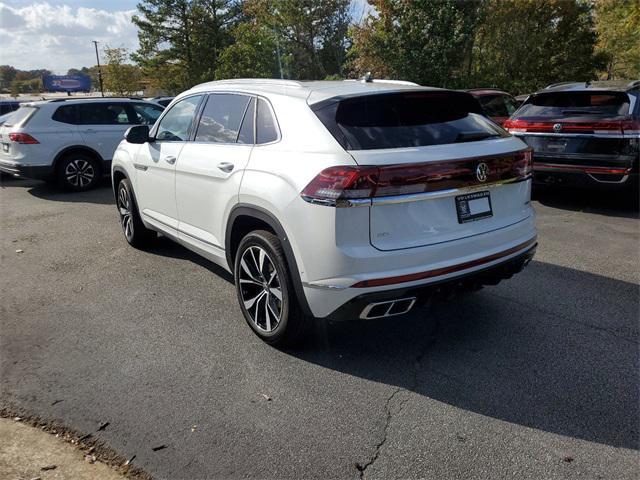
{"points": [[265, 290], [134, 230]]}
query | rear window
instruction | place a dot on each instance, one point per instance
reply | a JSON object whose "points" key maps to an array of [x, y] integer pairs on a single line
{"points": [[400, 120], [20, 116], [571, 104]]}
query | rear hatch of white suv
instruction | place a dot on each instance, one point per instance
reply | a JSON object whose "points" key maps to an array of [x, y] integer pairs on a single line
{"points": [[431, 167]]}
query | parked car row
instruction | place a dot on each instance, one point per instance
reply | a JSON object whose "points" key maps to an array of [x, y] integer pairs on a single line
{"points": [[334, 200]]}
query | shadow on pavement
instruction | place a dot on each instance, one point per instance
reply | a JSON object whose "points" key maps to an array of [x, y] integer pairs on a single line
{"points": [[613, 204], [102, 194], [555, 351], [166, 247]]}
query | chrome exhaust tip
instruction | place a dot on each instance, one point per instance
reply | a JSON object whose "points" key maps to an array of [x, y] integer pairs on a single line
{"points": [[388, 308]]}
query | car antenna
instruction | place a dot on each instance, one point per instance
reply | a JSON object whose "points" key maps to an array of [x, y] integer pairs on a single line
{"points": [[367, 78]]}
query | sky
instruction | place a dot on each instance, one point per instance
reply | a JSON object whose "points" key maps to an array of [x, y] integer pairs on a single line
{"points": [[57, 35]]}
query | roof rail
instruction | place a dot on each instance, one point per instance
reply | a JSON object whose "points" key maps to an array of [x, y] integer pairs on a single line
{"points": [[52, 100], [254, 81], [633, 84]]}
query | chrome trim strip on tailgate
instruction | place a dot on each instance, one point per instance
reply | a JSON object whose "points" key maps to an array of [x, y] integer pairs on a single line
{"points": [[418, 197]]}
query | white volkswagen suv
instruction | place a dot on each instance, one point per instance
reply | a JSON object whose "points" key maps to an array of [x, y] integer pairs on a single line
{"points": [[333, 200], [69, 140]]}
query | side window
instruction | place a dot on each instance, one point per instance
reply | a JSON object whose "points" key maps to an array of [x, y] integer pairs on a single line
{"points": [[221, 118], [246, 130], [266, 129], [66, 114], [103, 114], [176, 123], [145, 114]]}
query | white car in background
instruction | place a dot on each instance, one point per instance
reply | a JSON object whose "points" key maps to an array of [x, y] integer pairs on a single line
{"points": [[334, 200], [69, 140]]}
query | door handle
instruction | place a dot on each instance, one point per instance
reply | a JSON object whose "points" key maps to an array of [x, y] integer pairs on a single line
{"points": [[170, 160], [225, 166]]}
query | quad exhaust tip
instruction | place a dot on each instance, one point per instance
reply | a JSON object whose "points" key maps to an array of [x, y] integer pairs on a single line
{"points": [[388, 308]]}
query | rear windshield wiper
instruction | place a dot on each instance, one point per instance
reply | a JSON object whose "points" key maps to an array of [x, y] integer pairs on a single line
{"points": [[473, 136]]}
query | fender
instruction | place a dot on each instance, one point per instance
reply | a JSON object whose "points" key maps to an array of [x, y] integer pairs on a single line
{"points": [[62, 152], [268, 218]]}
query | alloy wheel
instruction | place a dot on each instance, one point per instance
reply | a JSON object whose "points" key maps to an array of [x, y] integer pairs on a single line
{"points": [[124, 207], [260, 288], [79, 173]]}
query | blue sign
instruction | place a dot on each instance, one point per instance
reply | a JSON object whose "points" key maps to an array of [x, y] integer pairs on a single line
{"points": [[66, 83]]}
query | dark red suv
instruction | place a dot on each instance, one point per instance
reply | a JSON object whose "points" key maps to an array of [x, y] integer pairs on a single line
{"points": [[496, 104]]}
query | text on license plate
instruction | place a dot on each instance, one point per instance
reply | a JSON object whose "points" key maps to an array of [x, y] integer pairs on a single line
{"points": [[473, 206]]}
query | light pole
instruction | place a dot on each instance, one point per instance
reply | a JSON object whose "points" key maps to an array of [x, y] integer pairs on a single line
{"points": [[95, 44]]}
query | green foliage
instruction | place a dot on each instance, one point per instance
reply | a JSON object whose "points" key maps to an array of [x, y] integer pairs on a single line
{"points": [[181, 40], [252, 55], [311, 34], [618, 26], [516, 45], [423, 41], [523, 45], [119, 76]]}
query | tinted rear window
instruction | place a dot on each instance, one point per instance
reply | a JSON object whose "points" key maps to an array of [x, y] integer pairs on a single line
{"points": [[20, 116], [400, 120], [570, 104]]}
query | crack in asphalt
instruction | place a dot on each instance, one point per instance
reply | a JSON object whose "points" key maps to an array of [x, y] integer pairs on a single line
{"points": [[417, 363]]}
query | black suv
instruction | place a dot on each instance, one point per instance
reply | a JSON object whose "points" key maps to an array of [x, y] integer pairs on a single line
{"points": [[583, 134]]}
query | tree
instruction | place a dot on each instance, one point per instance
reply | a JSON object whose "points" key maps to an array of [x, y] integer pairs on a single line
{"points": [[425, 41], [252, 55], [618, 27], [7, 74], [310, 34], [523, 45], [180, 40], [120, 77]]}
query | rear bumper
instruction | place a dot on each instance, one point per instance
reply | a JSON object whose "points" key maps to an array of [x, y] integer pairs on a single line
{"points": [[439, 288], [39, 172], [555, 172]]}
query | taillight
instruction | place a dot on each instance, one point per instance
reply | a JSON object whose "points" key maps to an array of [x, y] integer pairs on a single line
{"points": [[347, 183], [523, 163], [342, 183], [24, 138], [631, 128], [598, 128]]}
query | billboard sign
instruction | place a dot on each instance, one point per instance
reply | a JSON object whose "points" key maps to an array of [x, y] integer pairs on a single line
{"points": [[66, 83]]}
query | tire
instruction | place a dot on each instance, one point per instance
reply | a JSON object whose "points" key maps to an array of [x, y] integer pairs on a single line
{"points": [[136, 234], [78, 172], [277, 321]]}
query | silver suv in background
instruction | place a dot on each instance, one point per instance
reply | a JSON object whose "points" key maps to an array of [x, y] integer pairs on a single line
{"points": [[70, 141]]}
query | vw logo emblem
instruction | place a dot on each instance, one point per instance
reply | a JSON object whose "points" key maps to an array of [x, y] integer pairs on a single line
{"points": [[557, 127], [482, 171]]}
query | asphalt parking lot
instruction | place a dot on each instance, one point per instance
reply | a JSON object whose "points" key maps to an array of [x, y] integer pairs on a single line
{"points": [[535, 378]]}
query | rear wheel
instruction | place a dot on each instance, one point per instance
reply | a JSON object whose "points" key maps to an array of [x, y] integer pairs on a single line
{"points": [[134, 230], [265, 290], [78, 172]]}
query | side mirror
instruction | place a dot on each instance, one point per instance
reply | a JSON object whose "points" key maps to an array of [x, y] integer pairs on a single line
{"points": [[137, 134]]}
